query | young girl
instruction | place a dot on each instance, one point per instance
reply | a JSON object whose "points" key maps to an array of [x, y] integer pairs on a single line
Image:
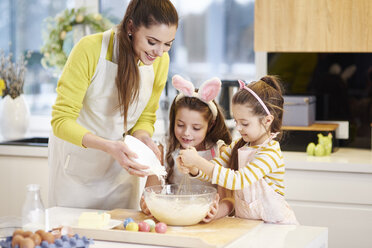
{"points": [[197, 121], [255, 163]]}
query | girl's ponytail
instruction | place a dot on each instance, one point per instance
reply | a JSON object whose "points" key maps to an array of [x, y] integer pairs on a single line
{"points": [[273, 81]]}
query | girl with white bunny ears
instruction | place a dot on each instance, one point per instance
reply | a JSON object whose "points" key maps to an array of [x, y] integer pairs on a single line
{"points": [[196, 120]]}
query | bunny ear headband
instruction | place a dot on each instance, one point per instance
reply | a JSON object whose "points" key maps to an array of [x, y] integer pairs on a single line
{"points": [[206, 93], [243, 86]]}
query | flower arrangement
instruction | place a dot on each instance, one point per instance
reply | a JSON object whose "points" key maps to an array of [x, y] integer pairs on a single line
{"points": [[57, 29], [12, 75]]}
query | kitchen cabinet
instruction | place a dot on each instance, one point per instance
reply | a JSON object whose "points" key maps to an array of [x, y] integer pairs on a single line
{"points": [[19, 166], [313, 26], [333, 191]]}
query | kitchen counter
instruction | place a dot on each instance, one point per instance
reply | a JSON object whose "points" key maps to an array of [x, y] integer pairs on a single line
{"points": [[263, 236]]}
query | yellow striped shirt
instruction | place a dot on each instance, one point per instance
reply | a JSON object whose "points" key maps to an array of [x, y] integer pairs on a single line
{"points": [[267, 163]]}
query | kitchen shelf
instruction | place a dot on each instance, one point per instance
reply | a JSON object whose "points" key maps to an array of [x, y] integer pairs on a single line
{"points": [[320, 127]]}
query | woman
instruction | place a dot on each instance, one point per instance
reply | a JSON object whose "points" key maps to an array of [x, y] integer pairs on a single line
{"points": [[111, 84]]}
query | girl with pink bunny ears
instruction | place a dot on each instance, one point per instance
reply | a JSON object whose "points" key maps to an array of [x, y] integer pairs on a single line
{"points": [[252, 166], [196, 120]]}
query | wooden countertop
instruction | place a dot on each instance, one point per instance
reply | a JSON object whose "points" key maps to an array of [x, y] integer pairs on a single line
{"points": [[327, 127]]}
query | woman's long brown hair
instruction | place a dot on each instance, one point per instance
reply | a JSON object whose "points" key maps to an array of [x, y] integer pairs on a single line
{"points": [[141, 13], [217, 129], [269, 90]]}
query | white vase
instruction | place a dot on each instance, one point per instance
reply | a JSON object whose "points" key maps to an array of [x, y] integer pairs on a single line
{"points": [[14, 118]]}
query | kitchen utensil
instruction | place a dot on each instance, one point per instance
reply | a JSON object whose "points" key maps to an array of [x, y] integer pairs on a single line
{"points": [[145, 156], [179, 205]]}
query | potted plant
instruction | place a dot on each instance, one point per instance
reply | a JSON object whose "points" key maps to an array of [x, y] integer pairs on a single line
{"points": [[14, 118]]}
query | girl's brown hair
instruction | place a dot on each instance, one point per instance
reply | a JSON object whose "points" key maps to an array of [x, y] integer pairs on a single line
{"points": [[141, 13], [217, 129], [269, 90]]}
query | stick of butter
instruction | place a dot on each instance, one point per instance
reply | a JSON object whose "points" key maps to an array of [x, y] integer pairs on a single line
{"points": [[96, 220]]}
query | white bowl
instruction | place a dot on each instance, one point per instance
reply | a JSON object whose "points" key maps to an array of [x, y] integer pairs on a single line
{"points": [[145, 156], [179, 205]]}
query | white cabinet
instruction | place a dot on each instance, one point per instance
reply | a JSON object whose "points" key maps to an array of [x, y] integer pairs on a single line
{"points": [[19, 166], [334, 192]]}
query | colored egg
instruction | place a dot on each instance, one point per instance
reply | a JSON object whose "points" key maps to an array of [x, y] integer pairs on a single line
{"points": [[151, 223], [144, 227], [127, 221], [132, 226], [161, 227]]}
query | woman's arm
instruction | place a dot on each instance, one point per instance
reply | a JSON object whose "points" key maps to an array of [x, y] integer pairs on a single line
{"points": [[119, 150]]}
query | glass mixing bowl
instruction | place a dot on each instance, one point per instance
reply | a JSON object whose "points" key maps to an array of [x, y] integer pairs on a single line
{"points": [[179, 205]]}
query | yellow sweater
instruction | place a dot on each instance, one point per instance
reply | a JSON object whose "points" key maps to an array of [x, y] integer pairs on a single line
{"points": [[75, 80]]}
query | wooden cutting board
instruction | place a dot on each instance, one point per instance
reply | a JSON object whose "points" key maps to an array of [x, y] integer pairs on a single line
{"points": [[218, 233]]}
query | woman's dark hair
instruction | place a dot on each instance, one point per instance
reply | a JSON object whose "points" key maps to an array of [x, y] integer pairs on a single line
{"points": [[269, 90], [217, 129], [141, 13]]}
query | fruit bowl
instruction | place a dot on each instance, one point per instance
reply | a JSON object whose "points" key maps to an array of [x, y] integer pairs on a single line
{"points": [[179, 205]]}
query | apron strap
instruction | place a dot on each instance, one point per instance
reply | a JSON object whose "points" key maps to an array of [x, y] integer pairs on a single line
{"points": [[105, 43]]}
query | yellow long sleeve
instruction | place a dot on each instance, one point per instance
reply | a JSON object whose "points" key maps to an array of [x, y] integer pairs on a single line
{"points": [[75, 80]]}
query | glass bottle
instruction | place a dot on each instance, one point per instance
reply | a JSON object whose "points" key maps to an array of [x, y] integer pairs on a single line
{"points": [[33, 211]]}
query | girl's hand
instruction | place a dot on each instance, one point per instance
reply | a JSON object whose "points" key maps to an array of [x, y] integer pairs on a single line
{"points": [[212, 210], [121, 152], [144, 208], [189, 157], [184, 169], [145, 138]]}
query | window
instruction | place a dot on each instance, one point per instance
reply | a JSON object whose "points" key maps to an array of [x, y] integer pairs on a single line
{"points": [[214, 38], [21, 28]]}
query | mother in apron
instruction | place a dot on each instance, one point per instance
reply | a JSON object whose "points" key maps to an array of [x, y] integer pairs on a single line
{"points": [[111, 84]]}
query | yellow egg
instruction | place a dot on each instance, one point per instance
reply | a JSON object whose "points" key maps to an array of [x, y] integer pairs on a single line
{"points": [[132, 226]]}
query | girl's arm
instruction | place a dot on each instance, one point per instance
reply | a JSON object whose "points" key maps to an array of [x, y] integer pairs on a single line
{"points": [[226, 205]]}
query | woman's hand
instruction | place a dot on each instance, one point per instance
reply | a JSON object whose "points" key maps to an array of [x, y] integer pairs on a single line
{"points": [[212, 210], [145, 138], [121, 152], [144, 208], [118, 150]]}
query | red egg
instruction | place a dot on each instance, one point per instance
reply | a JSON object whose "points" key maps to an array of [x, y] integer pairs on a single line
{"points": [[160, 227], [144, 227]]}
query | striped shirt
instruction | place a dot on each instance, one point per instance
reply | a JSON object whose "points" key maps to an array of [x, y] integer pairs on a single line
{"points": [[267, 163]]}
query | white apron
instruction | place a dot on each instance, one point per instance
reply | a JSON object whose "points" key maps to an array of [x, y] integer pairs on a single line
{"points": [[90, 178], [259, 201]]}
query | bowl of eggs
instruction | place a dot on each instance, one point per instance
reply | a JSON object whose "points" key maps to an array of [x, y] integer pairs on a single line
{"points": [[179, 205]]}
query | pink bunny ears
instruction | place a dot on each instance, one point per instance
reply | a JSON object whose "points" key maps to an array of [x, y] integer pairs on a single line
{"points": [[242, 86], [206, 93]]}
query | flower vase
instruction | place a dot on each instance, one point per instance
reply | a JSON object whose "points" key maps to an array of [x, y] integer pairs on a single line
{"points": [[14, 118]]}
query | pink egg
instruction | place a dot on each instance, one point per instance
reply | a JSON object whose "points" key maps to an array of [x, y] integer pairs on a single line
{"points": [[144, 227], [160, 227]]}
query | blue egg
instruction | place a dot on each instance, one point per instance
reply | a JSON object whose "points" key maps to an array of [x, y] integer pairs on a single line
{"points": [[126, 221]]}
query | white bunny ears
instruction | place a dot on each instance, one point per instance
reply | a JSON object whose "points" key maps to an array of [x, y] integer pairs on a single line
{"points": [[206, 93]]}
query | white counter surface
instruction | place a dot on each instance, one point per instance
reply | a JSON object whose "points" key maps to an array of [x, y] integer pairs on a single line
{"points": [[343, 160], [263, 236]]}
